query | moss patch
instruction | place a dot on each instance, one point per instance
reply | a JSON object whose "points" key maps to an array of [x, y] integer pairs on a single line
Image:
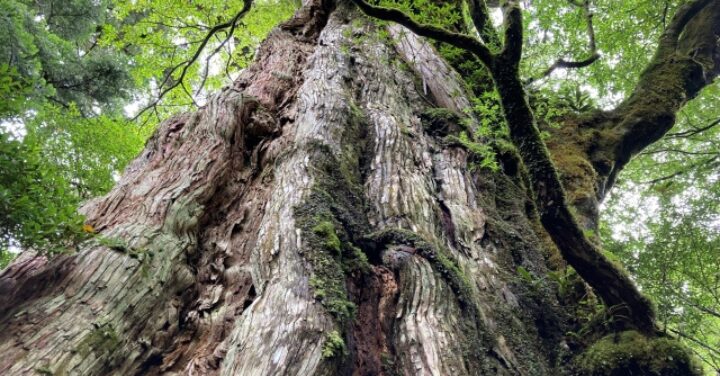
{"points": [[631, 353], [330, 219], [442, 122], [115, 244], [326, 230], [334, 345], [568, 147], [44, 370], [101, 340]]}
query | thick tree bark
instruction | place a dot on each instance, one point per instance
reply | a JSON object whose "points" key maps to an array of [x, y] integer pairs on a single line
{"points": [[304, 222], [686, 61]]}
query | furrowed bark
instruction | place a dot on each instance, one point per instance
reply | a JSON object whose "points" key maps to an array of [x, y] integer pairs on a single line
{"points": [[613, 286], [236, 243], [309, 220]]}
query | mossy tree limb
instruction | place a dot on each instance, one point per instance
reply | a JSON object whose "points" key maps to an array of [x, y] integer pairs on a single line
{"points": [[686, 61]]}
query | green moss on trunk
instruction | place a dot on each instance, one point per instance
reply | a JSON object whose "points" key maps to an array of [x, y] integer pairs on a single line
{"points": [[331, 218], [631, 353]]}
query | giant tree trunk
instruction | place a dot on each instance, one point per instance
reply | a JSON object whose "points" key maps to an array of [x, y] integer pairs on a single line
{"points": [[306, 221]]}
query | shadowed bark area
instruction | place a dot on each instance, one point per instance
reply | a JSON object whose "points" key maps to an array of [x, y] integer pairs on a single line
{"points": [[304, 222]]}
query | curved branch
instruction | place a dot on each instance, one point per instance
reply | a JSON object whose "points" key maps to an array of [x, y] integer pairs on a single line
{"points": [[614, 286], [592, 46], [674, 76], [185, 65], [685, 13], [429, 31]]}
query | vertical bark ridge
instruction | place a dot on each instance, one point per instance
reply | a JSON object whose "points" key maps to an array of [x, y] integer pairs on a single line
{"points": [[211, 249], [148, 232], [409, 179]]}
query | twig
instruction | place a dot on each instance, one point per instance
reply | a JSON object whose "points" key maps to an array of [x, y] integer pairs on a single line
{"points": [[592, 46], [695, 340], [681, 172], [185, 65], [694, 131]]}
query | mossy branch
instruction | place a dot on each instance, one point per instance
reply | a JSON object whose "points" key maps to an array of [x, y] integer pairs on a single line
{"points": [[671, 35], [512, 50], [440, 34], [687, 60]]}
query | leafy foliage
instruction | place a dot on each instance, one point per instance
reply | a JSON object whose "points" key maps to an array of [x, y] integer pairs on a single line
{"points": [[627, 32], [56, 49], [334, 345], [163, 37], [38, 211]]}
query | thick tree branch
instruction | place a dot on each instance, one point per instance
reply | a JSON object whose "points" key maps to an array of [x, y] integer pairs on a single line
{"points": [[611, 284], [429, 31], [687, 60], [669, 39]]}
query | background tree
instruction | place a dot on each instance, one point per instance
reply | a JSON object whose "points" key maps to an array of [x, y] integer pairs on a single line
{"points": [[57, 80]]}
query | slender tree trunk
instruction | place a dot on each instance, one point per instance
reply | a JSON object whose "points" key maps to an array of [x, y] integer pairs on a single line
{"points": [[309, 220]]}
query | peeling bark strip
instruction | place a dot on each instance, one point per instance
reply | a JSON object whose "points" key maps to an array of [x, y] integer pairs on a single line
{"points": [[303, 222]]}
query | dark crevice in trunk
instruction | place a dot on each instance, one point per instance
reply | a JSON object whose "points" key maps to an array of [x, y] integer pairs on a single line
{"points": [[478, 341], [370, 339]]}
